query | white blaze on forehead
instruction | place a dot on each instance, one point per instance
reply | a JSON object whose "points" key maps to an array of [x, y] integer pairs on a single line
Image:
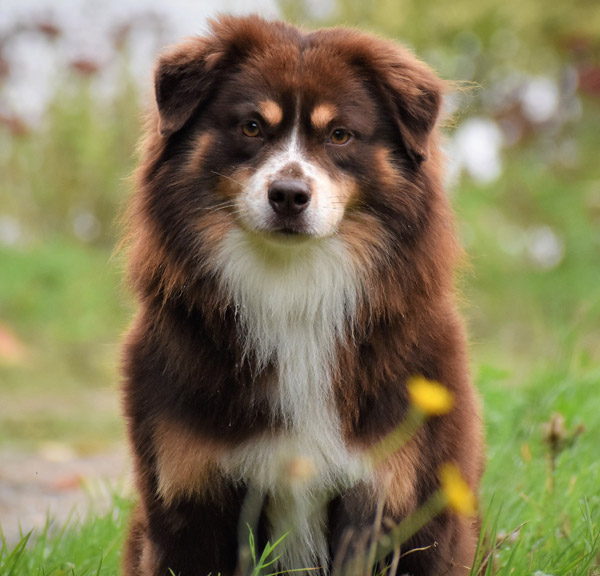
{"points": [[325, 209]]}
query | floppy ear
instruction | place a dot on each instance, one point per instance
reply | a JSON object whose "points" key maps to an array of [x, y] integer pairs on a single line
{"points": [[410, 90], [183, 80], [414, 95], [186, 73]]}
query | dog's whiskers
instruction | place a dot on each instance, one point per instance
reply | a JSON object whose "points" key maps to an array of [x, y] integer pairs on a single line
{"points": [[229, 178], [222, 205]]}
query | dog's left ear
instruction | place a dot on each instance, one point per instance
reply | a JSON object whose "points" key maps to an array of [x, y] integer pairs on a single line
{"points": [[417, 110], [412, 93], [414, 96]]}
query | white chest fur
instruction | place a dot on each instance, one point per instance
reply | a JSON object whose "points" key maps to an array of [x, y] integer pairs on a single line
{"points": [[294, 303]]}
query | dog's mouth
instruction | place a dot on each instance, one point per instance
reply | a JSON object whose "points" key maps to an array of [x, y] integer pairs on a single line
{"points": [[289, 230], [291, 227], [286, 234]]}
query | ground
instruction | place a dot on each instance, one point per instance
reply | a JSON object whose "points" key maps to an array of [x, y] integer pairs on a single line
{"points": [[56, 483]]}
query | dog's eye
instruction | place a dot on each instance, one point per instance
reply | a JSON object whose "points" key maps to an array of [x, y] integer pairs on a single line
{"points": [[340, 137], [251, 129]]}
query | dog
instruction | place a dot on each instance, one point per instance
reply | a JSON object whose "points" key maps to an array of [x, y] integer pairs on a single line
{"points": [[292, 252]]}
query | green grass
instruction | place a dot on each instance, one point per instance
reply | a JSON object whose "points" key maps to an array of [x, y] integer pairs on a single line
{"points": [[88, 548], [62, 301], [553, 491]]}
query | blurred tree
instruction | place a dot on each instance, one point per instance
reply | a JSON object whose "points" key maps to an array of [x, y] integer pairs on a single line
{"points": [[495, 35]]}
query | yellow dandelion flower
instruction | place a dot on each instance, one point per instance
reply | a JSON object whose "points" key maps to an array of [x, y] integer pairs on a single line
{"points": [[457, 492], [430, 397]]}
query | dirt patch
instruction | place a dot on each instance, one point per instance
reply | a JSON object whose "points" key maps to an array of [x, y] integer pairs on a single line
{"points": [[56, 483]]}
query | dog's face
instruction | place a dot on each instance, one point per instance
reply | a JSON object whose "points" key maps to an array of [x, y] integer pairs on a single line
{"points": [[289, 137], [291, 156]]}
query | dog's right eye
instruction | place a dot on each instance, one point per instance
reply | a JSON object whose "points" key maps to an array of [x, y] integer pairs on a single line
{"points": [[251, 129]]}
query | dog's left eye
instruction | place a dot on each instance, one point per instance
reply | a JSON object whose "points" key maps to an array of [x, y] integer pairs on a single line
{"points": [[340, 137], [251, 129]]}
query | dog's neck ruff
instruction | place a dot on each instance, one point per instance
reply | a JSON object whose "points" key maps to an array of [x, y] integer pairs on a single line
{"points": [[295, 302]]}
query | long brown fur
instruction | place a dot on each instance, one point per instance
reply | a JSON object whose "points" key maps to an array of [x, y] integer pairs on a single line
{"points": [[193, 393]]}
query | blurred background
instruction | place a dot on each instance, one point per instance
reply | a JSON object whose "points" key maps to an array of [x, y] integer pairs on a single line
{"points": [[523, 146]]}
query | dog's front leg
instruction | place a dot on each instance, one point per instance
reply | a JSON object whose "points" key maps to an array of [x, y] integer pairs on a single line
{"points": [[190, 537], [360, 521]]}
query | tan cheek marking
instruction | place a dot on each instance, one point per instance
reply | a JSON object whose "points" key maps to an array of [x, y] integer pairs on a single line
{"points": [[187, 465], [386, 172], [322, 115], [215, 223], [211, 229], [346, 190], [363, 234], [342, 191], [334, 195], [200, 146], [271, 112], [233, 185]]}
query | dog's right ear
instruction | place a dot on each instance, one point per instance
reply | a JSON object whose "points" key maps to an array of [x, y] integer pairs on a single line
{"points": [[186, 72], [183, 80]]}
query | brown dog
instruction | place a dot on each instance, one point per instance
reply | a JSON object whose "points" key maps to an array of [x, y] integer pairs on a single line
{"points": [[292, 252]]}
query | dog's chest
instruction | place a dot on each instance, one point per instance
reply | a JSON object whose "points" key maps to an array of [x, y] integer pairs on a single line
{"points": [[299, 469], [292, 314]]}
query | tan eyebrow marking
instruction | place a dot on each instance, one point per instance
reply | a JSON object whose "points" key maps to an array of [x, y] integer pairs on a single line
{"points": [[322, 114], [271, 112]]}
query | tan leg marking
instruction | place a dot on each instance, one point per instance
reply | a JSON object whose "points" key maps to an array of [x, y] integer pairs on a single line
{"points": [[186, 462]]}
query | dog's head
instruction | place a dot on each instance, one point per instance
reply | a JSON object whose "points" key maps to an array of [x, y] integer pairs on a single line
{"points": [[290, 136]]}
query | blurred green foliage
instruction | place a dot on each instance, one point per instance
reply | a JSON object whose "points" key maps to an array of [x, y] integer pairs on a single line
{"points": [[521, 312], [62, 300], [67, 177], [503, 35], [63, 304]]}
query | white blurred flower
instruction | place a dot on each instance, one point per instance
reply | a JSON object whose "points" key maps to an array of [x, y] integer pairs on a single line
{"points": [[10, 231], [86, 226], [540, 99], [545, 247], [476, 149]]}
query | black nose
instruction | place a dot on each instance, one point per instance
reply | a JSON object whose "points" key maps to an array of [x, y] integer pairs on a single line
{"points": [[289, 197]]}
